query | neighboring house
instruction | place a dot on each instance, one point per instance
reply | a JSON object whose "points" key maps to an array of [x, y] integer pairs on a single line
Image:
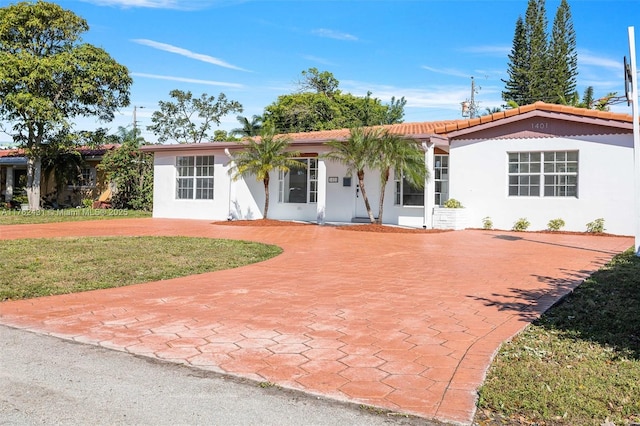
{"points": [[538, 162], [90, 184]]}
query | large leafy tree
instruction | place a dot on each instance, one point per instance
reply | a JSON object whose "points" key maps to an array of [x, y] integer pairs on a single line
{"points": [[357, 153], [320, 105], [189, 120], [130, 171], [49, 77], [259, 157], [402, 155]]}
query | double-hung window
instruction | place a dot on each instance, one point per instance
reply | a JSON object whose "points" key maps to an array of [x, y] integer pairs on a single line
{"points": [[194, 177], [299, 185], [441, 178], [547, 174]]}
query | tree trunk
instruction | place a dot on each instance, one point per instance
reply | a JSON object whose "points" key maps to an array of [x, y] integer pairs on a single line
{"points": [[383, 185], [364, 196], [266, 196], [34, 173]]}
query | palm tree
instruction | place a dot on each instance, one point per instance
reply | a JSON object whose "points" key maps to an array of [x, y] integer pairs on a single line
{"points": [[249, 128], [260, 157], [404, 155], [357, 153]]}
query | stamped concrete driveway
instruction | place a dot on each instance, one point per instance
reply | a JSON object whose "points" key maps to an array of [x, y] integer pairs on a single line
{"points": [[406, 322]]}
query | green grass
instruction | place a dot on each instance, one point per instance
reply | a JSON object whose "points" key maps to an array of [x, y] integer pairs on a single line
{"points": [[19, 217], [579, 364], [41, 267]]}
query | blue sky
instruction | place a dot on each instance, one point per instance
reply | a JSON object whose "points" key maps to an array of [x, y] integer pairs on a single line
{"points": [[255, 50]]}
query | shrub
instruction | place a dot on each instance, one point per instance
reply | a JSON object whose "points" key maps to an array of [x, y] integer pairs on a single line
{"points": [[487, 223], [87, 203], [521, 224], [452, 203], [596, 227], [555, 224]]}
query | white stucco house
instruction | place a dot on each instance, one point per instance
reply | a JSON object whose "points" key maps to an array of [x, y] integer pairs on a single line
{"points": [[539, 162]]}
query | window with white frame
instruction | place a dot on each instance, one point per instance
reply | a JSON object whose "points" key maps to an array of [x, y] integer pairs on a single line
{"points": [[194, 177], [441, 178], [299, 185], [406, 194], [547, 173]]}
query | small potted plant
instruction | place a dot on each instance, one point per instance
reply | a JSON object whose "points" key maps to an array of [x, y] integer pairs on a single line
{"points": [[22, 200]]}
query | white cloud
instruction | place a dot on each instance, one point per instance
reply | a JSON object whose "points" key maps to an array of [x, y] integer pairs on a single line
{"points": [[324, 32], [587, 58], [188, 80], [318, 60], [447, 71], [187, 53]]}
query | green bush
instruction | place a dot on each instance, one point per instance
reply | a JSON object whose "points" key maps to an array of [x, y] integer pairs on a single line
{"points": [[452, 203], [487, 223], [555, 224], [596, 227], [521, 224]]}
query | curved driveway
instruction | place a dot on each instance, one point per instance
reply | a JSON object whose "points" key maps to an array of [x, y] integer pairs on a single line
{"points": [[406, 322]]}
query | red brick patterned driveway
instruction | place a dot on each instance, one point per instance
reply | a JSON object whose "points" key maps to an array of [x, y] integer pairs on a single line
{"points": [[407, 322]]}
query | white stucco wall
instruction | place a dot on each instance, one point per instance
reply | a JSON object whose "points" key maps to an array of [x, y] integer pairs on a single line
{"points": [[479, 179], [165, 204], [244, 198]]}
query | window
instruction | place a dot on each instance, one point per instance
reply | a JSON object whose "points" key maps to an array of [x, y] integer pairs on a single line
{"points": [[405, 193], [88, 176], [194, 178], [555, 171], [441, 179], [299, 185]]}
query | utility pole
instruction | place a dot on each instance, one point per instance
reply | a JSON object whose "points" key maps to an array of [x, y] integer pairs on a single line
{"points": [[470, 107], [135, 123]]}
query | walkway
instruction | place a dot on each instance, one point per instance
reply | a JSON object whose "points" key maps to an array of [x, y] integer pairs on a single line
{"points": [[406, 322]]}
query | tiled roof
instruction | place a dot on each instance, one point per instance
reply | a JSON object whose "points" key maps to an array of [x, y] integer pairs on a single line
{"points": [[538, 106], [430, 128], [87, 151], [419, 130]]}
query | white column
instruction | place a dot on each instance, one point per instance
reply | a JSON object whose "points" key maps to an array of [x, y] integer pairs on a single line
{"points": [[429, 185], [322, 191], [8, 195], [231, 214]]}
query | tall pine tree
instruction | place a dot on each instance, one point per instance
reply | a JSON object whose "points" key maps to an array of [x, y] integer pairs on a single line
{"points": [[535, 23], [538, 69], [563, 60], [518, 81]]}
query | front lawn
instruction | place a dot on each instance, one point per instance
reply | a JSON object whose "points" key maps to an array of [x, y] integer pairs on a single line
{"points": [[42, 267], [579, 364], [20, 217]]}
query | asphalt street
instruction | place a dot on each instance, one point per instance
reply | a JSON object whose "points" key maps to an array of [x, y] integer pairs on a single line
{"points": [[49, 381]]}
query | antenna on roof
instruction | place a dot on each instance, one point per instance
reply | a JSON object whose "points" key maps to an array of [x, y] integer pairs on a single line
{"points": [[469, 106]]}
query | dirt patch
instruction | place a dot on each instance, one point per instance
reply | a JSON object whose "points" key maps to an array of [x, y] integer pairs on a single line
{"points": [[390, 229]]}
